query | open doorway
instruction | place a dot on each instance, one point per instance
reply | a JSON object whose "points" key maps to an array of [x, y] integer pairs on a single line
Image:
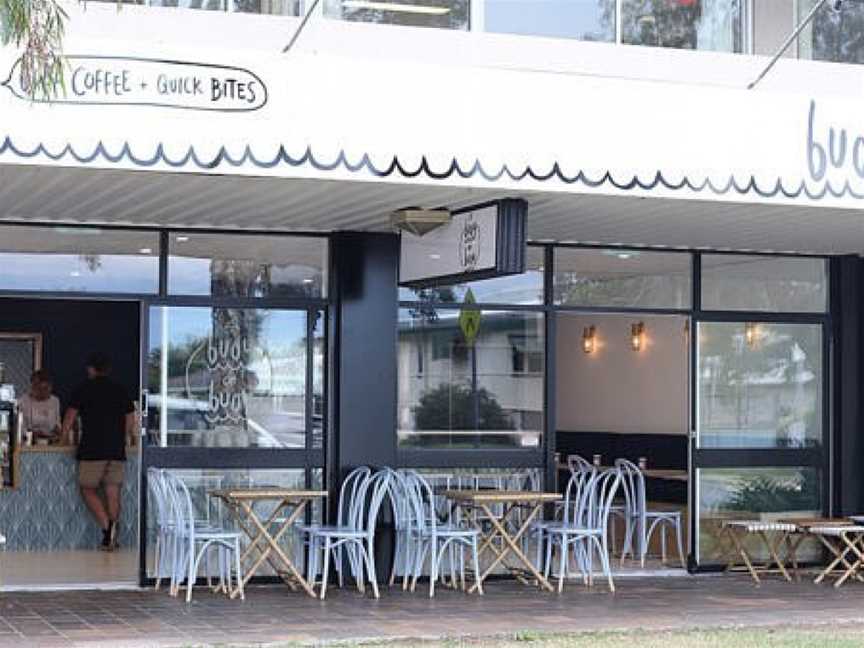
{"points": [[52, 541], [622, 392]]}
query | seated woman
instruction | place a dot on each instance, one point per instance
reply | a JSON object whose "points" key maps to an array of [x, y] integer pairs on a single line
{"points": [[40, 409]]}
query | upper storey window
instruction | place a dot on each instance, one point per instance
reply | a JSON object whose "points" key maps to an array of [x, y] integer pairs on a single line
{"points": [[833, 35], [684, 24], [444, 14]]}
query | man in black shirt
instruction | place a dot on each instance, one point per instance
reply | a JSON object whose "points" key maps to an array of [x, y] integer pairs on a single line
{"points": [[107, 419]]}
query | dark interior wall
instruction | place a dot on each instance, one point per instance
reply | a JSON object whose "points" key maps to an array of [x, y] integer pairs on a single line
{"points": [[73, 329]]}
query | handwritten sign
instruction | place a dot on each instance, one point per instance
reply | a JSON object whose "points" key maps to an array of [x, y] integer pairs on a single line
{"points": [[118, 81]]}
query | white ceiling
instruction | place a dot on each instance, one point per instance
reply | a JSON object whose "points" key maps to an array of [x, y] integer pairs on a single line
{"points": [[76, 195]]}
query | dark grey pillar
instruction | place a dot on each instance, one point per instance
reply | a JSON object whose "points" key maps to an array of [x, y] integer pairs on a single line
{"points": [[848, 451], [364, 352]]}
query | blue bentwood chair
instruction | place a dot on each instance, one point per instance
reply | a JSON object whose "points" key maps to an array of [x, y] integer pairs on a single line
{"points": [[586, 532], [191, 543], [428, 538], [356, 534]]}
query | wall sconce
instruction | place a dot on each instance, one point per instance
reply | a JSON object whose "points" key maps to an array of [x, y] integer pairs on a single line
{"points": [[589, 339], [637, 336], [751, 335]]}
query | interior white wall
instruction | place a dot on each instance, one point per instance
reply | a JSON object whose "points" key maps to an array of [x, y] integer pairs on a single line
{"points": [[616, 389]]}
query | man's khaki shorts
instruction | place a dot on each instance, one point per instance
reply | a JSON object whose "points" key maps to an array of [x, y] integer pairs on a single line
{"points": [[92, 474]]}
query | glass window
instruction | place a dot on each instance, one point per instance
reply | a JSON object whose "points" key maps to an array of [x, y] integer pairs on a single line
{"points": [[211, 511], [522, 289], [622, 278], [471, 396], [209, 5], [684, 24], [833, 35], [272, 7], [764, 283], [767, 494], [79, 259], [590, 20], [760, 385], [446, 14], [227, 377], [243, 265]]}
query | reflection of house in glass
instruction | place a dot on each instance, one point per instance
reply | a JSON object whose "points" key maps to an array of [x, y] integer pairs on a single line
{"points": [[486, 394]]}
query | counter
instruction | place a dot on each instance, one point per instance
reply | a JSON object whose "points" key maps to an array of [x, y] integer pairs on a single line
{"points": [[45, 512]]}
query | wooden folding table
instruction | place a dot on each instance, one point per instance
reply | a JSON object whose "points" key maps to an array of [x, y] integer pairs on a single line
{"points": [[773, 535], [264, 535], [496, 538]]}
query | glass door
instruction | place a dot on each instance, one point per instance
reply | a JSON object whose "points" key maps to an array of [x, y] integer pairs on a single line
{"points": [[234, 396], [760, 424]]}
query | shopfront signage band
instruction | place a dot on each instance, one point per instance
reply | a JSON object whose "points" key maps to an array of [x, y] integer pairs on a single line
{"points": [[119, 81]]}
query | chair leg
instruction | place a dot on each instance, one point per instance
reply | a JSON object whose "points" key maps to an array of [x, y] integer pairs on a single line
{"points": [[157, 559], [433, 569], [370, 566], [562, 566], [604, 561], [326, 573], [239, 569], [680, 537], [476, 561]]}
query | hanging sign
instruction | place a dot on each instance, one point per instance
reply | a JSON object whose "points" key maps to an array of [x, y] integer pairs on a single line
{"points": [[122, 81], [479, 242]]}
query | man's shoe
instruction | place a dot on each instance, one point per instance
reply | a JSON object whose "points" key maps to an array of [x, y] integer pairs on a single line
{"points": [[112, 532], [106, 539]]}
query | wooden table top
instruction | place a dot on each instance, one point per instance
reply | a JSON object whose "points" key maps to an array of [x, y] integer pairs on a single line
{"points": [[500, 496], [267, 493], [671, 474], [807, 523]]}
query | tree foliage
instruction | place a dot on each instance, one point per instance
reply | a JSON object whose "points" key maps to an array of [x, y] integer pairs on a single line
{"points": [[453, 407], [37, 28]]}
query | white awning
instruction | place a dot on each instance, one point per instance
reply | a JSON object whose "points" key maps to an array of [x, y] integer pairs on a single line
{"points": [[315, 116]]}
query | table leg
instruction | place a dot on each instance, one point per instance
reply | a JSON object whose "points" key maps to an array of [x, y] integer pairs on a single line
{"points": [[288, 563], [255, 538], [744, 555], [511, 545], [772, 552]]}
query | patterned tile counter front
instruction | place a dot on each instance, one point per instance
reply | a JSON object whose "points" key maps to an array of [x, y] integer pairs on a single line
{"points": [[45, 512]]}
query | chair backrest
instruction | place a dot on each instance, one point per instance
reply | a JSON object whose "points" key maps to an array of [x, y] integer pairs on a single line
{"points": [[602, 491], [376, 491], [577, 463], [422, 500], [633, 485], [180, 506], [577, 497], [156, 487], [400, 499], [350, 507]]}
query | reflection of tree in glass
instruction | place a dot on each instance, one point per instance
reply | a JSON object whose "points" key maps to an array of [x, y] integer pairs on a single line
{"points": [[683, 24], [637, 290], [244, 278], [92, 261], [770, 494], [451, 407], [455, 18], [839, 35], [734, 374]]}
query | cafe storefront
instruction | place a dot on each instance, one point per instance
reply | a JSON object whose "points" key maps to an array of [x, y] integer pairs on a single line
{"points": [[223, 229]]}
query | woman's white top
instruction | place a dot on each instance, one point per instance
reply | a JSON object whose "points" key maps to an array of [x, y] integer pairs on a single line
{"points": [[39, 416]]}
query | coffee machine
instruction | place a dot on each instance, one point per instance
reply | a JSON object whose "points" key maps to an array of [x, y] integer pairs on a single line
{"points": [[9, 424]]}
